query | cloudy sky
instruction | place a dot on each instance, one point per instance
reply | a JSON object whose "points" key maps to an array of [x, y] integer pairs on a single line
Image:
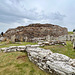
{"points": [[15, 13]]}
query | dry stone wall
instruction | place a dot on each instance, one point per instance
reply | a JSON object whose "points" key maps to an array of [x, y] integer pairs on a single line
{"points": [[53, 63]]}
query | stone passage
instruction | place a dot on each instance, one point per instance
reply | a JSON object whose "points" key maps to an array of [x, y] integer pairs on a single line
{"points": [[54, 63]]}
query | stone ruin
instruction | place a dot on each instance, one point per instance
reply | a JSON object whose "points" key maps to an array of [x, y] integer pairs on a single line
{"points": [[32, 32], [46, 60], [68, 37], [38, 32]]}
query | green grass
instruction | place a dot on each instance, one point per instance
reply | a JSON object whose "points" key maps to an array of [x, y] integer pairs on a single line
{"points": [[70, 32], [66, 50], [16, 44], [17, 63], [10, 64]]}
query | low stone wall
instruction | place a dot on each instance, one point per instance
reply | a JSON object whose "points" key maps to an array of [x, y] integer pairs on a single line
{"points": [[54, 63], [13, 49], [44, 43]]}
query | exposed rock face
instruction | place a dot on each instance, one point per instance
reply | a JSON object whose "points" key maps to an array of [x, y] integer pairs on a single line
{"points": [[36, 30], [54, 63]]}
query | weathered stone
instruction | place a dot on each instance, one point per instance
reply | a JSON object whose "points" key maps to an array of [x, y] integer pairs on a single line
{"points": [[59, 57], [55, 63], [28, 33], [61, 68], [14, 48], [13, 38], [1, 39], [21, 48], [72, 62], [53, 42], [2, 49], [44, 53]]}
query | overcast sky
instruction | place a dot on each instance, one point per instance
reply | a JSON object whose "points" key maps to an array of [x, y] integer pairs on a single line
{"points": [[15, 13]]}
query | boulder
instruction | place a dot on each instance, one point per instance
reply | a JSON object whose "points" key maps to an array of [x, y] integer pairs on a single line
{"points": [[21, 48]]}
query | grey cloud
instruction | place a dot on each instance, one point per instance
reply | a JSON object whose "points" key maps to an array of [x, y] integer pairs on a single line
{"points": [[57, 16], [13, 11]]}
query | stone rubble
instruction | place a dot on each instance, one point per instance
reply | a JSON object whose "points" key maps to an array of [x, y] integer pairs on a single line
{"points": [[53, 63], [34, 31], [53, 42], [13, 49]]}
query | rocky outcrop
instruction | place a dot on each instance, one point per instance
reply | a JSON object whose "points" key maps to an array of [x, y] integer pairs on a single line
{"points": [[36, 30], [54, 63]]}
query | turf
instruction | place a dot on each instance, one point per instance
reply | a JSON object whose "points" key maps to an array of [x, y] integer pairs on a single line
{"points": [[17, 63]]}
